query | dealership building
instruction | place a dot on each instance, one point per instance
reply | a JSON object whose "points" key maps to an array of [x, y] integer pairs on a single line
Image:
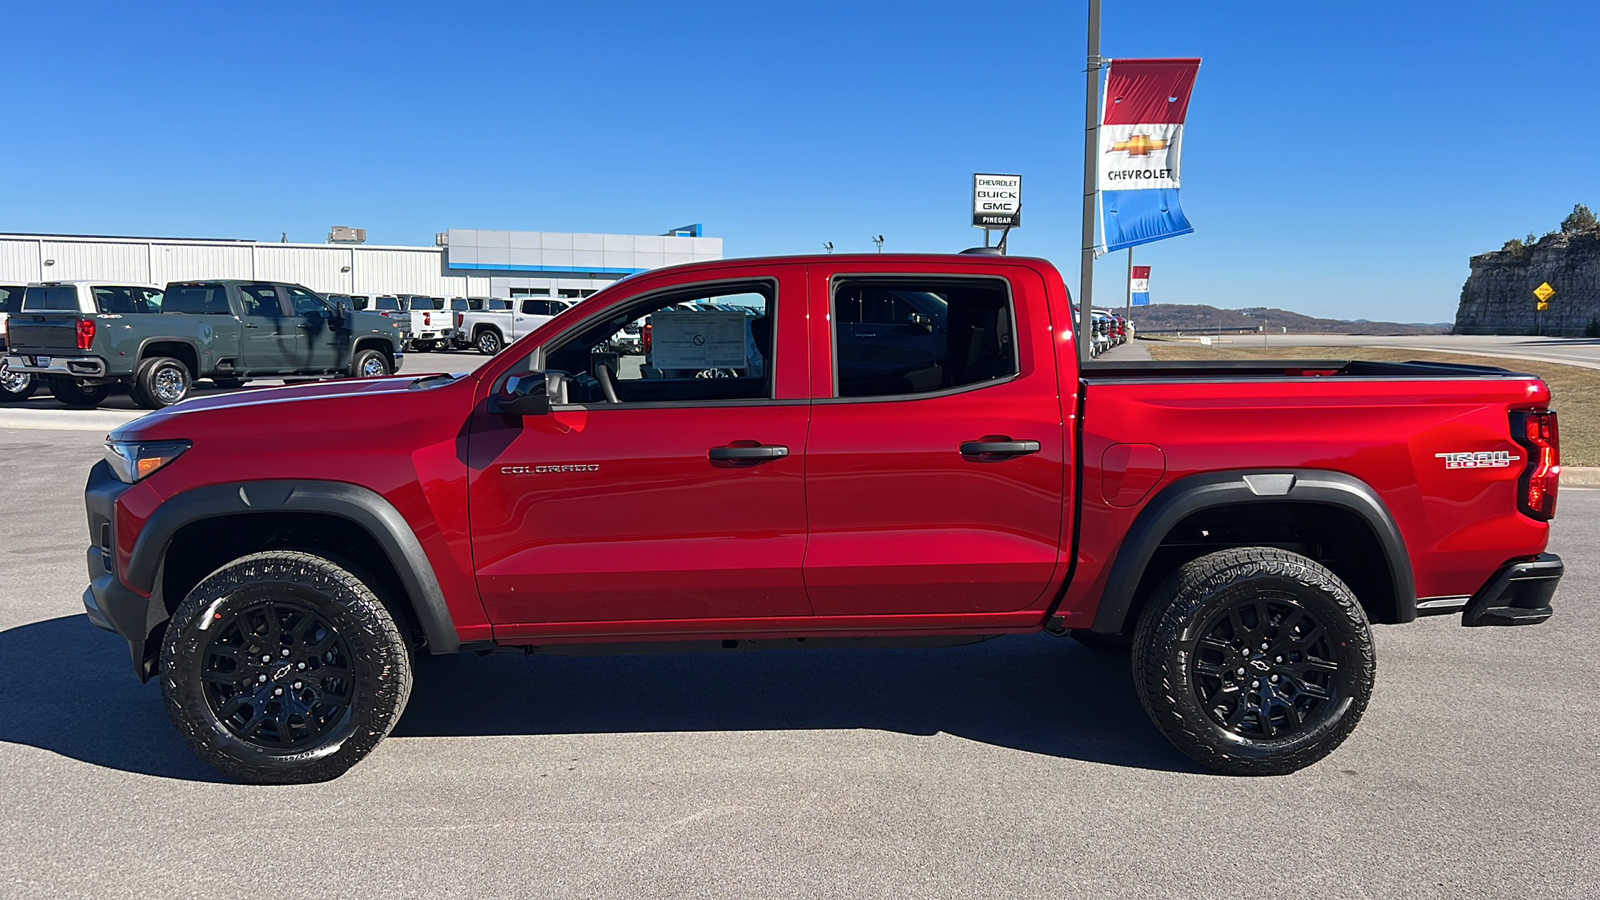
{"points": [[464, 262]]}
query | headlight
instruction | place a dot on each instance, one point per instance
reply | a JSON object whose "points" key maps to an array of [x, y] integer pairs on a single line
{"points": [[135, 460]]}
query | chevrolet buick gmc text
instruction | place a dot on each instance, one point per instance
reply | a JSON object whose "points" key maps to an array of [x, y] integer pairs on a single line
{"points": [[895, 446]]}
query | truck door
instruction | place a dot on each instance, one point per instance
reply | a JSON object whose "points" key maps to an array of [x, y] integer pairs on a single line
{"points": [[936, 468], [650, 498], [319, 343], [264, 318]]}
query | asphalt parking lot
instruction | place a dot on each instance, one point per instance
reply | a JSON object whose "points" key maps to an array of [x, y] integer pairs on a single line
{"points": [[1019, 767]]}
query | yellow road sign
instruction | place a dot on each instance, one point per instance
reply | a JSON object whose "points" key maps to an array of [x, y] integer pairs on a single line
{"points": [[1544, 306], [1544, 292]]}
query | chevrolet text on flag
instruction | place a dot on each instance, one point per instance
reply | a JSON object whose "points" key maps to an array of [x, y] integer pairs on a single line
{"points": [[1140, 288], [1141, 140]]}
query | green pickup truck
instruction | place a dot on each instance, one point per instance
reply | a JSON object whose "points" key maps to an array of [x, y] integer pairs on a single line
{"points": [[84, 346]]}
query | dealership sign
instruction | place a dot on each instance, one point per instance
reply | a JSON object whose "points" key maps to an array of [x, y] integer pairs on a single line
{"points": [[996, 201]]}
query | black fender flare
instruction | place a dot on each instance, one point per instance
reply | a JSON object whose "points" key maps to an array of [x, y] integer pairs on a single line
{"points": [[1210, 490], [360, 506], [362, 342], [193, 345]]}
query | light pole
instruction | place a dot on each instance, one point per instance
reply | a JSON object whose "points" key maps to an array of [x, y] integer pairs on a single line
{"points": [[1091, 154], [879, 241]]}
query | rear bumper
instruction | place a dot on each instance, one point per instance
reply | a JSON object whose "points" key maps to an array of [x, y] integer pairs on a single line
{"points": [[1518, 594], [71, 366]]}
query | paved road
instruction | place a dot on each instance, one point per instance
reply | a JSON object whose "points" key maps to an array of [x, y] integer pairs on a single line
{"points": [[1022, 767], [1583, 352]]}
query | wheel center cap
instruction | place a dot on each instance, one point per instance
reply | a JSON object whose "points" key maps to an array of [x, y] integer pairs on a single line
{"points": [[1260, 665], [286, 669]]}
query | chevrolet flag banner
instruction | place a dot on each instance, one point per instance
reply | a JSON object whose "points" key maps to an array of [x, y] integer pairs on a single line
{"points": [[1141, 286], [1141, 139]]}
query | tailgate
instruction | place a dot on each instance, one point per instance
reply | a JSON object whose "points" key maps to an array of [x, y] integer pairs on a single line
{"points": [[43, 331]]}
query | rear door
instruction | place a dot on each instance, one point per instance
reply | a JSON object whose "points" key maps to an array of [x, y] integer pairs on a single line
{"points": [[936, 463], [682, 499], [318, 344], [264, 315]]}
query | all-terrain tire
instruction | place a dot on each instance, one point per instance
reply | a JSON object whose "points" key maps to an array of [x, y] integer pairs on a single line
{"points": [[1299, 696], [305, 628], [370, 364], [488, 341], [159, 382], [78, 396]]}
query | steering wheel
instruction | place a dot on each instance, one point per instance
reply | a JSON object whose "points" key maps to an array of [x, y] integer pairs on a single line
{"points": [[608, 383]]}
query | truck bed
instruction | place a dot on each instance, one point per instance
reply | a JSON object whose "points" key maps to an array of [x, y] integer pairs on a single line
{"points": [[1258, 369]]}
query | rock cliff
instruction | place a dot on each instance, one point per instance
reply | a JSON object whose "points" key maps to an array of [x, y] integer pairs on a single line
{"points": [[1498, 296]]}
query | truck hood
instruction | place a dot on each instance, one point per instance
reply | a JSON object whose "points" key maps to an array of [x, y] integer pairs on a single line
{"points": [[299, 404]]}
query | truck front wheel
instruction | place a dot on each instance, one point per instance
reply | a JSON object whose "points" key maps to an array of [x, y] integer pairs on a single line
{"points": [[370, 364], [283, 668], [1254, 661], [76, 394]]}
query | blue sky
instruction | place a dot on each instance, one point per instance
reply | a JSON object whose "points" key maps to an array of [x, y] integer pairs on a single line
{"points": [[1341, 159]]}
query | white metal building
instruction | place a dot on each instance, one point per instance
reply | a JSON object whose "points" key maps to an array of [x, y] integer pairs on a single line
{"points": [[470, 263]]}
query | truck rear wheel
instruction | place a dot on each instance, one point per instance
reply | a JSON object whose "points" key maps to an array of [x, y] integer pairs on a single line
{"points": [[77, 394], [488, 341], [1254, 661], [15, 386], [159, 382], [284, 668]]}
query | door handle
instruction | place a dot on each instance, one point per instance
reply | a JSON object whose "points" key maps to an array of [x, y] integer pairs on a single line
{"points": [[865, 336], [251, 325], [306, 325], [994, 450], [746, 454]]}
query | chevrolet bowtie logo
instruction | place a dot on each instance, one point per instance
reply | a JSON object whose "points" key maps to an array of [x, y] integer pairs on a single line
{"points": [[1138, 145]]}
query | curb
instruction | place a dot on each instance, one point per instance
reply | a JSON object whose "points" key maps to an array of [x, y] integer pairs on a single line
{"points": [[1580, 476]]}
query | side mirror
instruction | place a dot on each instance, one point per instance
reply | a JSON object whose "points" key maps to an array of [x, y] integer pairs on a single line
{"points": [[524, 395], [922, 321], [341, 310]]}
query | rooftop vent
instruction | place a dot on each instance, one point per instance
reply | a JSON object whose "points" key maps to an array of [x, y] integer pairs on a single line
{"points": [[344, 234]]}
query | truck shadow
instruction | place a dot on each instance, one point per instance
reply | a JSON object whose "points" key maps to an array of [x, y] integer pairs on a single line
{"points": [[66, 687]]}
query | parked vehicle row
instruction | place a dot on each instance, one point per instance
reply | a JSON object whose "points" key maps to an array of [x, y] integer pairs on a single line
{"points": [[1110, 330], [85, 339]]}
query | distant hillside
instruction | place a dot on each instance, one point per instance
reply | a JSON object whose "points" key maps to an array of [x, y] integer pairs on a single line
{"points": [[1163, 317]]}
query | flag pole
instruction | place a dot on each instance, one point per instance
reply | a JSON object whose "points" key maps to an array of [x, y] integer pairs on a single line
{"points": [[1128, 313], [1091, 152]]}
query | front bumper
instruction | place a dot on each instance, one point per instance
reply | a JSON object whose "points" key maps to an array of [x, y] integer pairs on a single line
{"points": [[109, 603], [1518, 594], [71, 366]]}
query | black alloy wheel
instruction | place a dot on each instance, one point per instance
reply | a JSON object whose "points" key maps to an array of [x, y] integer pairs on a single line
{"points": [[1264, 667], [276, 675], [284, 668], [1254, 660]]}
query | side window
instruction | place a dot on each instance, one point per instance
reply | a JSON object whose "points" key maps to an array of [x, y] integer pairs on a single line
{"points": [[898, 337], [11, 300], [114, 300], [146, 300], [261, 300], [306, 303], [693, 346], [196, 299]]}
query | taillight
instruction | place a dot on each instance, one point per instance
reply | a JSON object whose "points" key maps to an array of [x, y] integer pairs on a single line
{"points": [[1536, 431], [427, 318], [85, 334], [644, 339]]}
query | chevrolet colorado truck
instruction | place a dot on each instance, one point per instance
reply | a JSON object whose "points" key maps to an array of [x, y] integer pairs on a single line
{"points": [[228, 331], [278, 560]]}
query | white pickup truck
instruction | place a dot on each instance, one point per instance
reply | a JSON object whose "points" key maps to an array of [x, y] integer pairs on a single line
{"points": [[13, 385], [432, 322], [490, 330]]}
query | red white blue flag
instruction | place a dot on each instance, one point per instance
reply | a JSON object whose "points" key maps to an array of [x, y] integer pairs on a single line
{"points": [[1141, 142], [1139, 287]]}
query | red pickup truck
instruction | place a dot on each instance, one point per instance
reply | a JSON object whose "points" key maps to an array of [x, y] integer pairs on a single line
{"points": [[896, 447]]}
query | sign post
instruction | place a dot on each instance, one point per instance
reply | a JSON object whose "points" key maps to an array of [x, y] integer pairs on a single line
{"points": [[996, 203], [1543, 293]]}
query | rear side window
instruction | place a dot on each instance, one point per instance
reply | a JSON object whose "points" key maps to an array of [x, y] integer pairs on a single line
{"points": [[261, 300], [196, 299], [390, 303], [63, 297], [899, 337], [126, 300], [11, 299]]}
